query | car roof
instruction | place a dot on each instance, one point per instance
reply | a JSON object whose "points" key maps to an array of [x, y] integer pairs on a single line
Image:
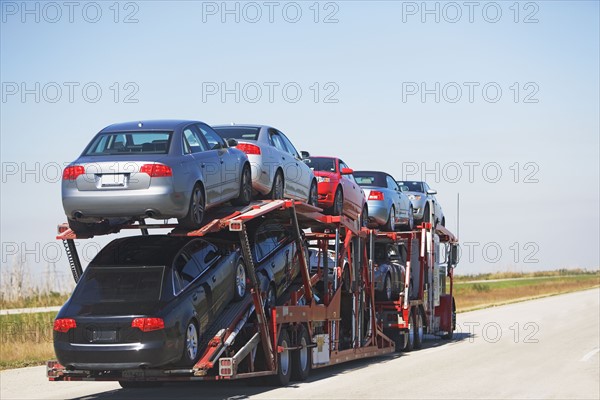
{"points": [[243, 126], [159, 124]]}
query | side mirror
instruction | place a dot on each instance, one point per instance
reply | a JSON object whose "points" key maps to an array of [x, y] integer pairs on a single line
{"points": [[347, 171], [453, 255], [431, 191], [232, 142], [305, 154]]}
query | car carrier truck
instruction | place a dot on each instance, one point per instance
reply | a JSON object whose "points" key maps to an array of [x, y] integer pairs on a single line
{"points": [[322, 319]]}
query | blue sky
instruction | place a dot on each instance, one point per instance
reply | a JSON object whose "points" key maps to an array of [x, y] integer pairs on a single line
{"points": [[366, 58]]}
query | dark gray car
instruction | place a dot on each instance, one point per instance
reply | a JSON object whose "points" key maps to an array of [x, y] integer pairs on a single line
{"points": [[153, 169]]}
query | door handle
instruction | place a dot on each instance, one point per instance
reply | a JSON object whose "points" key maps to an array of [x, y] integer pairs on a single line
{"points": [[214, 278], [203, 165], [222, 161]]}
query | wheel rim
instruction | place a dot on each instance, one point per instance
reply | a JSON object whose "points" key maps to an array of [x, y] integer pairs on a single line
{"points": [[284, 358], [338, 203], [191, 341], [303, 354], [197, 206], [411, 333], [246, 185], [392, 219], [278, 189], [388, 287], [240, 280], [420, 328], [411, 218]]}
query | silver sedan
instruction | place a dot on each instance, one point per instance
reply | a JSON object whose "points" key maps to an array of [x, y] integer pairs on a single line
{"points": [[388, 206], [153, 169], [425, 206], [278, 170]]}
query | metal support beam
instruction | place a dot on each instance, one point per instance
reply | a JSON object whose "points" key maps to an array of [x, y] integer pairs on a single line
{"points": [[73, 258]]}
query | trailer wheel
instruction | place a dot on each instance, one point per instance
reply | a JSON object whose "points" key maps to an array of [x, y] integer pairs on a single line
{"points": [[418, 323], [139, 384], [410, 334], [450, 335], [301, 358], [284, 362]]}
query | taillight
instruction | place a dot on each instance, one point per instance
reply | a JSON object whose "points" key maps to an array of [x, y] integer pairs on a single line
{"points": [[148, 324], [375, 195], [64, 324], [71, 173], [248, 148], [156, 170]]}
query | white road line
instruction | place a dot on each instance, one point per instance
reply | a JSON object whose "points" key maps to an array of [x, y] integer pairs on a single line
{"points": [[590, 354], [29, 310]]}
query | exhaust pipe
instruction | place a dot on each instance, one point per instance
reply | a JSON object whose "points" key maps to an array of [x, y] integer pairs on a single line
{"points": [[150, 214], [77, 214]]}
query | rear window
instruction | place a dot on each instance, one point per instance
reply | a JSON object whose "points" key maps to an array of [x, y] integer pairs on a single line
{"points": [[412, 186], [369, 179], [238, 132], [102, 284], [140, 251], [120, 143], [321, 164]]}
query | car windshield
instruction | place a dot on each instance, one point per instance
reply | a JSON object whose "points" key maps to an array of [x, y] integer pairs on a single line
{"points": [[101, 284], [123, 143], [370, 178], [412, 186], [321, 163], [238, 132]]}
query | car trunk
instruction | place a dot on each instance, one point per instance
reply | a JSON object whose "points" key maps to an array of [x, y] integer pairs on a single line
{"points": [[115, 175], [108, 299]]}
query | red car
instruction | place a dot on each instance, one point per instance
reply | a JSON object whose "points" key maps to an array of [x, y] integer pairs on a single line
{"points": [[338, 191]]}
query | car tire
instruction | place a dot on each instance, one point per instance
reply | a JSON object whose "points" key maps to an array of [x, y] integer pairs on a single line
{"points": [[418, 330], [364, 217], [278, 187], [426, 216], [450, 335], [245, 196], [270, 300], [410, 334], [338, 203], [239, 288], [313, 194], [301, 358], [411, 219], [191, 351], [387, 292], [390, 225], [284, 361], [195, 215]]}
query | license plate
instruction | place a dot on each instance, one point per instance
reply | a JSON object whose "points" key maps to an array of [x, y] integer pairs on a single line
{"points": [[104, 336], [112, 180], [133, 373]]}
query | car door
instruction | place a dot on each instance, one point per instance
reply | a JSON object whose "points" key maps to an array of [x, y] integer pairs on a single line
{"points": [[185, 274], [206, 161], [302, 173], [399, 199], [229, 163], [271, 255], [286, 161], [353, 195], [217, 277]]}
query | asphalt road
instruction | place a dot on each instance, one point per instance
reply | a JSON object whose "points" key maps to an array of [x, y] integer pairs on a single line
{"points": [[545, 348]]}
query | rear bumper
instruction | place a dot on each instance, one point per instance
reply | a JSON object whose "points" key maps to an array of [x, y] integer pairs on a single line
{"points": [[94, 205], [100, 357], [378, 211]]}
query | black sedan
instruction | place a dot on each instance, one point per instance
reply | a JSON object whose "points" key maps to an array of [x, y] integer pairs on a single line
{"points": [[146, 302]]}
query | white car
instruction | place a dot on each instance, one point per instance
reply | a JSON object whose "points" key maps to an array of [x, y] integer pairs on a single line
{"points": [[278, 169]]}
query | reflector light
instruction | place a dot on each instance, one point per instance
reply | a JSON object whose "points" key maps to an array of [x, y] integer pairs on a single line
{"points": [[156, 170], [64, 324], [71, 173], [248, 148], [148, 324], [375, 195]]}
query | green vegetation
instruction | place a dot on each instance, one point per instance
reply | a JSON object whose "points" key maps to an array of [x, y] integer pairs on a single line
{"points": [[518, 275], [35, 300], [26, 339]]}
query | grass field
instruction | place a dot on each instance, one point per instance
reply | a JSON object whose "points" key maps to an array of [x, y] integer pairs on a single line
{"points": [[471, 293], [26, 339], [38, 300]]}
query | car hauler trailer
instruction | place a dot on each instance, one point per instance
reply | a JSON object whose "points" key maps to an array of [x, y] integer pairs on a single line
{"points": [[319, 321]]}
